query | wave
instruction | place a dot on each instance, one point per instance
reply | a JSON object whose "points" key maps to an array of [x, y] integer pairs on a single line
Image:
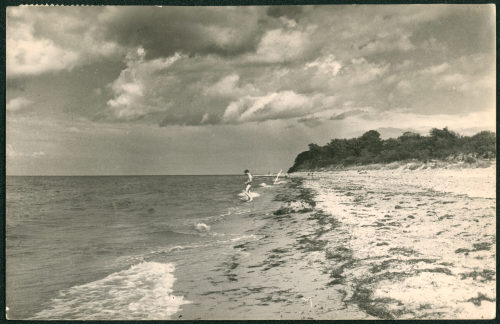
{"points": [[144, 291], [202, 227], [252, 194], [161, 253]]}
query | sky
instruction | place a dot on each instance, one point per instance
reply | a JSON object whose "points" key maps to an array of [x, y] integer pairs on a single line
{"points": [[115, 90]]}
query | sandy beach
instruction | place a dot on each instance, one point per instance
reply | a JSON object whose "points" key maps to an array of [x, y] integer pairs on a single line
{"points": [[412, 244], [363, 244]]}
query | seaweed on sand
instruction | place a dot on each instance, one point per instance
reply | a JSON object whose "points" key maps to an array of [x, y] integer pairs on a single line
{"points": [[362, 296], [230, 266], [338, 253], [282, 211], [480, 297], [384, 265], [486, 275], [324, 219], [310, 245], [483, 246], [436, 270], [298, 193], [404, 251]]}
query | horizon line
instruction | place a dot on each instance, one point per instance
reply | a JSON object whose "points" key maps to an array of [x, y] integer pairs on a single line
{"points": [[133, 175]]}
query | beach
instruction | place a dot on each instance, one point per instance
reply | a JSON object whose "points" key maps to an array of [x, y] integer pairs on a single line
{"points": [[411, 244], [385, 243]]}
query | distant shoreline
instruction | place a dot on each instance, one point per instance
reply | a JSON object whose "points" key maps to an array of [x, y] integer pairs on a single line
{"points": [[370, 148]]}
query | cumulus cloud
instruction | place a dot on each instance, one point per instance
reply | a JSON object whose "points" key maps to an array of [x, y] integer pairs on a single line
{"points": [[216, 65], [27, 55], [164, 31], [360, 71], [228, 86], [282, 45], [35, 43], [18, 104], [328, 65], [277, 105], [134, 96]]}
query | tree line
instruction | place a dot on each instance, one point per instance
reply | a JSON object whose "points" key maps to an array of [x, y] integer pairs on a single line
{"points": [[370, 148]]}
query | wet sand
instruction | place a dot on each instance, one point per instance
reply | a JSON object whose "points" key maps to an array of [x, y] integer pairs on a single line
{"points": [[373, 244]]}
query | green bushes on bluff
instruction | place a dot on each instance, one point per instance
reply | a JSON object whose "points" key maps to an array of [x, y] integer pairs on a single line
{"points": [[370, 148]]}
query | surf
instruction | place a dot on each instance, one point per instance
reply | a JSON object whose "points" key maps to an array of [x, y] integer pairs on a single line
{"points": [[143, 291]]}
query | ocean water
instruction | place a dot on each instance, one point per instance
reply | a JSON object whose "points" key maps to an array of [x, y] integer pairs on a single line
{"points": [[119, 247]]}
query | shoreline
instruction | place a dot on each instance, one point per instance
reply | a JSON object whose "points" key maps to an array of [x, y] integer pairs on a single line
{"points": [[379, 244]]}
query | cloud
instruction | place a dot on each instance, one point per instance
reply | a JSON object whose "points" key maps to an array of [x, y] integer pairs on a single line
{"points": [[282, 45], [12, 153], [310, 121], [216, 65], [225, 31], [17, 104], [328, 65], [276, 105], [285, 11], [134, 95], [286, 104], [360, 71], [436, 69], [27, 55], [386, 43], [36, 45], [354, 112], [228, 86]]}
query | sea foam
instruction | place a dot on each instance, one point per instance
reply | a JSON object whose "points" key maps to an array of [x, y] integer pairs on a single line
{"points": [[144, 291]]}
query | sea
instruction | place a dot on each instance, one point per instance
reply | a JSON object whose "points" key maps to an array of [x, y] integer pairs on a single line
{"points": [[121, 247]]}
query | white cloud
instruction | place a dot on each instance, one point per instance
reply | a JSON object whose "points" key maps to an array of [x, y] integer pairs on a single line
{"points": [[31, 51], [452, 80], [134, 90], [328, 65], [436, 69], [279, 45], [360, 71], [276, 105], [224, 87], [27, 55], [18, 103]]}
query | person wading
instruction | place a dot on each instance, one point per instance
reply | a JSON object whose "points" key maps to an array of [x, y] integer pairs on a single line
{"points": [[248, 184]]}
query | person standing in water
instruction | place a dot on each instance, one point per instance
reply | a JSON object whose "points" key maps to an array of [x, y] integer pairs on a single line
{"points": [[248, 184]]}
